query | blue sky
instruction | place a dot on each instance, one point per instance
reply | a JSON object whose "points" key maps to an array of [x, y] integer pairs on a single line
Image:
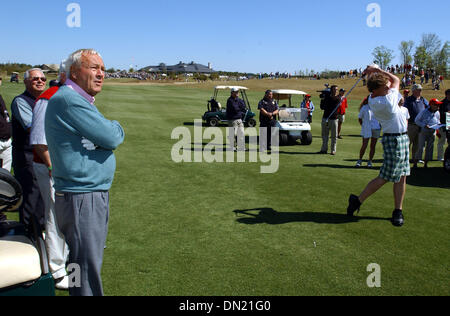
{"points": [[246, 35]]}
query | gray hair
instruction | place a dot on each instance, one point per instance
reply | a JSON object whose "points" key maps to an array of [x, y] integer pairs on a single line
{"points": [[74, 59], [27, 73]]}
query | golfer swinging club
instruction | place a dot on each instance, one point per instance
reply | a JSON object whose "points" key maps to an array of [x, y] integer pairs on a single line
{"points": [[384, 104]]}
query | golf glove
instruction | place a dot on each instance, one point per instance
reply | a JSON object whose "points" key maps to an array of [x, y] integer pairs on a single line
{"points": [[88, 144]]}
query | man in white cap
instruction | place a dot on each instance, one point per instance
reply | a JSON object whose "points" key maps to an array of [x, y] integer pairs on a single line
{"points": [[236, 110]]}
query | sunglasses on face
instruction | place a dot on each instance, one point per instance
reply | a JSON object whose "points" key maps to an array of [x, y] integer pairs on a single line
{"points": [[43, 79]]}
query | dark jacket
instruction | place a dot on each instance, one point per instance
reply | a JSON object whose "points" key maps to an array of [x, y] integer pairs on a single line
{"points": [[328, 105], [270, 106], [235, 109], [5, 122], [443, 110], [415, 107]]}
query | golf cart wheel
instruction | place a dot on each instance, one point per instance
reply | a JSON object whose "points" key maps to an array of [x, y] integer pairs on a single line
{"points": [[306, 138], [447, 160], [213, 122], [284, 139], [251, 123]]}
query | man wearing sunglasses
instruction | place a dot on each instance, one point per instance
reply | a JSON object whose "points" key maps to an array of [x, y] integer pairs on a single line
{"points": [[22, 153]]}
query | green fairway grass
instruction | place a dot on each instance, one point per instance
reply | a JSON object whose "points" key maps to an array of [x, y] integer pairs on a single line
{"points": [[226, 229]]}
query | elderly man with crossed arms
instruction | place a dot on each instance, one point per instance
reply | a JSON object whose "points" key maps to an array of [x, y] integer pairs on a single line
{"points": [[81, 142]]}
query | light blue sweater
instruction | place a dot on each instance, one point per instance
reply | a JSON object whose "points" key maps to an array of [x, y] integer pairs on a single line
{"points": [[68, 119]]}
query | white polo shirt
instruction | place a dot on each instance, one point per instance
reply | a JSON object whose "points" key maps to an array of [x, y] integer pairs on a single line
{"points": [[388, 113]]}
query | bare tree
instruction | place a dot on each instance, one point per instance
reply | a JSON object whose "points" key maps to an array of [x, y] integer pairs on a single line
{"points": [[406, 48], [432, 44]]}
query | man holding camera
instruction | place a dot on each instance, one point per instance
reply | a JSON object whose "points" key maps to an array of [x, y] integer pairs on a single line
{"points": [[330, 120]]}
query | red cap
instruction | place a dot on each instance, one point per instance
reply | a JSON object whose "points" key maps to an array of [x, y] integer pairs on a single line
{"points": [[308, 95], [435, 101], [405, 91]]}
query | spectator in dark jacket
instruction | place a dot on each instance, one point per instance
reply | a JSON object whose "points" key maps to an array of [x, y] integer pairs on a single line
{"points": [[236, 111]]}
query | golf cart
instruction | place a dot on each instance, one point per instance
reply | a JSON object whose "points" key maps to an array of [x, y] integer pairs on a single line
{"points": [[24, 267], [217, 114], [15, 77], [292, 121]]}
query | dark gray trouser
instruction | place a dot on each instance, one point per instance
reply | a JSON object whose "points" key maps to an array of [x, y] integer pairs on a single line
{"points": [[83, 219]]}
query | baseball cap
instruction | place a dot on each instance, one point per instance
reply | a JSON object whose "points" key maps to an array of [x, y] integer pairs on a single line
{"points": [[342, 90], [435, 101], [416, 87], [234, 89], [308, 95]]}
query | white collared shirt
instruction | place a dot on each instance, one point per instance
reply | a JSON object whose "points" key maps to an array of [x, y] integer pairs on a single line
{"points": [[388, 113]]}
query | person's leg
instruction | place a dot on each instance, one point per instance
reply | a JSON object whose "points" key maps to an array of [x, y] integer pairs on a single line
{"points": [[413, 134], [399, 193], [420, 147], [372, 188], [54, 240], [232, 135], [429, 149], [240, 135], [441, 143], [334, 132], [83, 219], [263, 136], [362, 152], [373, 147], [32, 204], [325, 133]]}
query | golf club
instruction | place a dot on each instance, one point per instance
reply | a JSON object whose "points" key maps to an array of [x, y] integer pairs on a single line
{"points": [[350, 91]]}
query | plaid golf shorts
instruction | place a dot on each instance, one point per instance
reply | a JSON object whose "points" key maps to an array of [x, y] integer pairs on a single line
{"points": [[396, 158]]}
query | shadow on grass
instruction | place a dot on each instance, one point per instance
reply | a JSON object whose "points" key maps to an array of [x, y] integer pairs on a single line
{"points": [[192, 124], [270, 216], [297, 153], [429, 177], [380, 161], [339, 166]]}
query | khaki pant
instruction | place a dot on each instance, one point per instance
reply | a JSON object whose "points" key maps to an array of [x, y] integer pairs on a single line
{"points": [[239, 133], [413, 134], [332, 126]]}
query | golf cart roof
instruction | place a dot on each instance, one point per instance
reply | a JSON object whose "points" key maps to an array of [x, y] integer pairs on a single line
{"points": [[230, 87], [286, 93]]}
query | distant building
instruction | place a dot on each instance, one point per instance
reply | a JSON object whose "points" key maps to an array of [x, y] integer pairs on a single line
{"points": [[50, 68], [180, 68]]}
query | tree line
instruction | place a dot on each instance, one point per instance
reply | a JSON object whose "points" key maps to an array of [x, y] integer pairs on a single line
{"points": [[430, 53]]}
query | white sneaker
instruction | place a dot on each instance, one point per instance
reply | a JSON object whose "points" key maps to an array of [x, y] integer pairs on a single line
{"points": [[369, 164], [62, 283], [359, 163]]}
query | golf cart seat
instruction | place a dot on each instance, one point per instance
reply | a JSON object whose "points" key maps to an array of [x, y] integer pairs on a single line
{"points": [[215, 106], [24, 269], [284, 115], [20, 261]]}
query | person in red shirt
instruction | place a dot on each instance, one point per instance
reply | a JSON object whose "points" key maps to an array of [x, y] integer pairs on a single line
{"points": [[341, 111]]}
